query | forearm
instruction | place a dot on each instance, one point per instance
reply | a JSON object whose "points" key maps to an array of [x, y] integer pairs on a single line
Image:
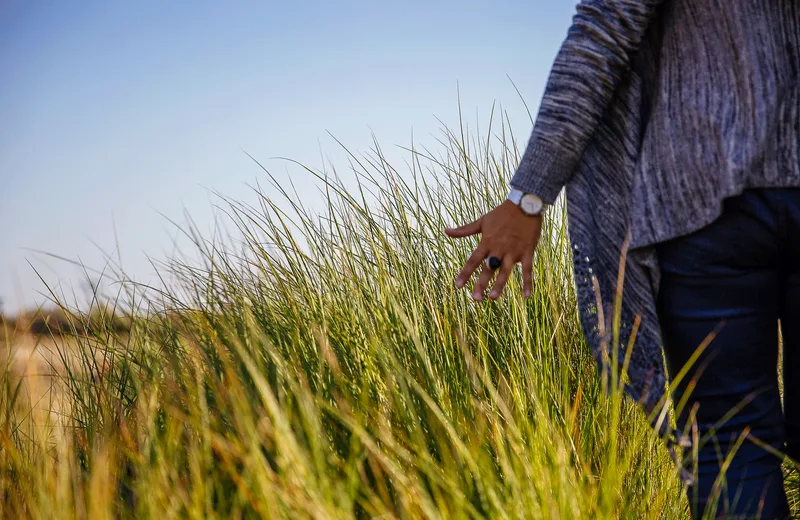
{"points": [[593, 60]]}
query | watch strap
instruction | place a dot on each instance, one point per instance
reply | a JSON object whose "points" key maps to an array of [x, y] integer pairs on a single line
{"points": [[515, 195]]}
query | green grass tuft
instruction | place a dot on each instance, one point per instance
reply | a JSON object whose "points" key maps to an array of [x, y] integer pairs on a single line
{"points": [[324, 366]]}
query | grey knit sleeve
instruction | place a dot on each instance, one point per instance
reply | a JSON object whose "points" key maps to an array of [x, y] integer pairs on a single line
{"points": [[593, 59]]}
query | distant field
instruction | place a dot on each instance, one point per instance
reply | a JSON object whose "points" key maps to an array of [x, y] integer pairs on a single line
{"points": [[35, 362], [35, 355]]}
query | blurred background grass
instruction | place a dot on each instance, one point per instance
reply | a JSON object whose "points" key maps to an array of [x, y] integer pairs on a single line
{"points": [[324, 366]]}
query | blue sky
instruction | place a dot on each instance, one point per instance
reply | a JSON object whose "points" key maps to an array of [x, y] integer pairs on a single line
{"points": [[120, 115]]}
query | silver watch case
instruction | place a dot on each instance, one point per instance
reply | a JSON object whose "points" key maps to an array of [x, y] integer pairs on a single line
{"points": [[529, 203]]}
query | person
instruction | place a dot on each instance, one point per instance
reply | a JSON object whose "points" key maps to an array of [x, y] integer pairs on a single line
{"points": [[674, 126]]}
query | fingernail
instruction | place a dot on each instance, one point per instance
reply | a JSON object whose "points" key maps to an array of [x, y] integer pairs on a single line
{"points": [[477, 296], [527, 292], [459, 283], [493, 295]]}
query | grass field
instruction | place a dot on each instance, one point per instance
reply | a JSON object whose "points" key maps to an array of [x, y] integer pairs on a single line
{"points": [[324, 366]]}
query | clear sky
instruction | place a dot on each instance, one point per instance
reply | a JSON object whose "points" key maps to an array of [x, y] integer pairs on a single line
{"points": [[117, 115]]}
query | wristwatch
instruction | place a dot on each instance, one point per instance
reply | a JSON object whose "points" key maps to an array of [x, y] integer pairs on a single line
{"points": [[529, 203]]}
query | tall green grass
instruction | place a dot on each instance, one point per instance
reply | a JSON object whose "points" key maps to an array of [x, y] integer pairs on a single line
{"points": [[324, 366]]}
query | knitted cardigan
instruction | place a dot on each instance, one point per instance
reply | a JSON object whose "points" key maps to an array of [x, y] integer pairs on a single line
{"points": [[593, 152], [655, 111]]}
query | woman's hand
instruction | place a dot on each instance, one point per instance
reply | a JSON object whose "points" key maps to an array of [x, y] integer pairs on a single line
{"points": [[510, 235]]}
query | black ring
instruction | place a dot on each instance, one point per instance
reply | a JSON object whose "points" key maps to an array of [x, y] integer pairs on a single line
{"points": [[493, 263]]}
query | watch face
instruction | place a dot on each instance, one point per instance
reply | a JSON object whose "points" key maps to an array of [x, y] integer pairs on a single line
{"points": [[531, 204]]}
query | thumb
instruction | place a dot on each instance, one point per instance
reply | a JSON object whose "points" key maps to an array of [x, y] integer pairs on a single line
{"points": [[464, 231]]}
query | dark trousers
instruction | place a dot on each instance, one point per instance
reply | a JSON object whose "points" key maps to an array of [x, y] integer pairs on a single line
{"points": [[738, 276]]}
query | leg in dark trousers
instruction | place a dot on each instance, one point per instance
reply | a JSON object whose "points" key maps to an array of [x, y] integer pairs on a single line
{"points": [[790, 326], [737, 277]]}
